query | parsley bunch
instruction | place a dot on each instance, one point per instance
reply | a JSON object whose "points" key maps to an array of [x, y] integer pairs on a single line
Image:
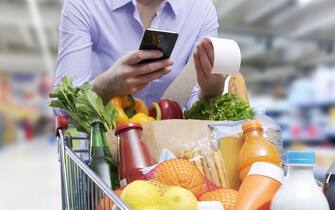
{"points": [[83, 105]]}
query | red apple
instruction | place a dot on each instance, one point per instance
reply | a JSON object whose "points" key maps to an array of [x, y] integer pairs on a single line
{"points": [[165, 109]]}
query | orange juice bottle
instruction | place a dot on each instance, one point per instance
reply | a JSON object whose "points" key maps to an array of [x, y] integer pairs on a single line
{"points": [[255, 148]]}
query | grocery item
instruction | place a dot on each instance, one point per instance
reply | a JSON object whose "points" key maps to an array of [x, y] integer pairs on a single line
{"points": [[182, 173], [133, 153], [106, 203], [255, 148], [236, 86], [141, 194], [130, 110], [329, 186], [210, 164], [174, 135], [259, 187], [230, 148], [227, 107], [178, 198], [272, 130], [100, 158], [154, 207], [166, 109], [212, 205], [227, 197], [229, 137], [300, 191], [83, 105]]}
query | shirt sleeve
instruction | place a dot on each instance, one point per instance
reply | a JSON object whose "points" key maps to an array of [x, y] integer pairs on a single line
{"points": [[75, 43], [209, 28]]}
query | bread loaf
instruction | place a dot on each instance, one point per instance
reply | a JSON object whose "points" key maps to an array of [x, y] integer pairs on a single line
{"points": [[238, 87]]}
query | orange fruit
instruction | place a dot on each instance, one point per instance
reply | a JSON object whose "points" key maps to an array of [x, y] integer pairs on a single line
{"points": [[106, 203], [182, 173], [228, 197]]}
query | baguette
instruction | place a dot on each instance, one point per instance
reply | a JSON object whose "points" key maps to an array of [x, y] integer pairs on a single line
{"points": [[205, 167], [221, 169], [197, 161], [214, 177], [237, 86]]}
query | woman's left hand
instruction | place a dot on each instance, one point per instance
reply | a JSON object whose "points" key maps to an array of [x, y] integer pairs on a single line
{"points": [[210, 84]]}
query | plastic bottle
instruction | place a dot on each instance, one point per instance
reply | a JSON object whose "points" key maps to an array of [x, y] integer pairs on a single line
{"points": [[255, 148], [133, 153], [259, 187], [272, 130], [300, 191], [329, 186]]}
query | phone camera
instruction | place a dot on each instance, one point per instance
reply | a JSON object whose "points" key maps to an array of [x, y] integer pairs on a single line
{"points": [[161, 37]]}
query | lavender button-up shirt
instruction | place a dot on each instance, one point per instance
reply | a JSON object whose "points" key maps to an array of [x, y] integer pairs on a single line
{"points": [[94, 34]]}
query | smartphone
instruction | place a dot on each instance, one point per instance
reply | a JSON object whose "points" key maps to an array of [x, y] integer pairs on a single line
{"points": [[154, 39]]}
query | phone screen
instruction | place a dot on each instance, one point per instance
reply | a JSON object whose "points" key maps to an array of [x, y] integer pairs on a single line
{"points": [[159, 40]]}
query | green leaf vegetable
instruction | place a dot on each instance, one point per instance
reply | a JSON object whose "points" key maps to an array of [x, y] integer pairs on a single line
{"points": [[83, 105], [220, 108]]}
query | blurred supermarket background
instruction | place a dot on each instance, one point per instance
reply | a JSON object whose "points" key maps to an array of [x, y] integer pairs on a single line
{"points": [[288, 61]]}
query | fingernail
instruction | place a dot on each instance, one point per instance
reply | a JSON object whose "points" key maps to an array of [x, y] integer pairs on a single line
{"points": [[160, 54]]}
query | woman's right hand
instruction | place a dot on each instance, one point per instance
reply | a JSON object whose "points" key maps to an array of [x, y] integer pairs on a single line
{"points": [[128, 76]]}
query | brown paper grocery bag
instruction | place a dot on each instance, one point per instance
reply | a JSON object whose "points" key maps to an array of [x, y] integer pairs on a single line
{"points": [[113, 145], [174, 135]]}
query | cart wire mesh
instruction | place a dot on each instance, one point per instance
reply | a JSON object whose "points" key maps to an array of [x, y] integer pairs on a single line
{"points": [[82, 189]]}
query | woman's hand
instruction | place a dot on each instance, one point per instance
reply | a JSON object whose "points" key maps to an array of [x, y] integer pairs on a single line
{"points": [[210, 84], [127, 76]]}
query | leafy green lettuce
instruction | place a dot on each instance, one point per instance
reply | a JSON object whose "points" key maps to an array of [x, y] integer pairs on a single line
{"points": [[220, 108]]}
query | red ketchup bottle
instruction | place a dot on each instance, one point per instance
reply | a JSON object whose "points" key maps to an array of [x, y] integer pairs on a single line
{"points": [[133, 153]]}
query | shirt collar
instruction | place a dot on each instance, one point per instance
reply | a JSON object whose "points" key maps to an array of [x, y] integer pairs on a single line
{"points": [[174, 5], [120, 3]]}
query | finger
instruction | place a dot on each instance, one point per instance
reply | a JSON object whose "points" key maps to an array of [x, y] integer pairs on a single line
{"points": [[141, 55], [206, 64], [208, 46], [152, 67], [200, 72], [146, 78]]}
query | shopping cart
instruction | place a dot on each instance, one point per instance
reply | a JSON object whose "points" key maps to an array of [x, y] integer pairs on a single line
{"points": [[82, 189]]}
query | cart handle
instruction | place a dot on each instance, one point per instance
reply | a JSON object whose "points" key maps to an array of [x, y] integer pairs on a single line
{"points": [[61, 123]]}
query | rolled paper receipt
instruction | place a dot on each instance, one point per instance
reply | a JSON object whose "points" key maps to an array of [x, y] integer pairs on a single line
{"points": [[227, 61]]}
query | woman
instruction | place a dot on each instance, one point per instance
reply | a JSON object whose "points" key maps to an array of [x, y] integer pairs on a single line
{"points": [[99, 38]]}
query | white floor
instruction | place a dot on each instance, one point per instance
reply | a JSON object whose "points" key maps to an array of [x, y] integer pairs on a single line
{"points": [[29, 176]]}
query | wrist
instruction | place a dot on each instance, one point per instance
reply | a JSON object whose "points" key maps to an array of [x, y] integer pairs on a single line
{"points": [[99, 86], [209, 93]]}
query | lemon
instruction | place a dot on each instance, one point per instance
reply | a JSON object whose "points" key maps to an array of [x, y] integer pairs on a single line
{"points": [[140, 195], [155, 207], [178, 198]]}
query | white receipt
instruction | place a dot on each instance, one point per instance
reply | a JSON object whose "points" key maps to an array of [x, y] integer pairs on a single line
{"points": [[227, 61]]}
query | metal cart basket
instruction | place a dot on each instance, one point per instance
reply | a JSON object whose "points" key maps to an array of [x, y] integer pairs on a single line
{"points": [[82, 189]]}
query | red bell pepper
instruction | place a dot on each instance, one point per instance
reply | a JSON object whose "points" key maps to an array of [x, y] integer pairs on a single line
{"points": [[165, 109]]}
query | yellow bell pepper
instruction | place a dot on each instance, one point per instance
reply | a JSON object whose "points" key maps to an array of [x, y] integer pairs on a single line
{"points": [[131, 110]]}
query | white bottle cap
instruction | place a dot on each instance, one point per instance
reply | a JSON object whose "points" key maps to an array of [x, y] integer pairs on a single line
{"points": [[267, 169]]}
